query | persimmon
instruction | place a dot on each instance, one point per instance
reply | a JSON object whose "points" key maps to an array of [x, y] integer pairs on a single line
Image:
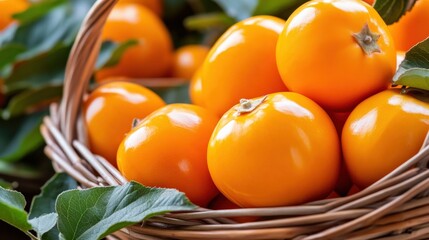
{"points": [[187, 60], [242, 64], [336, 52], [109, 112], [155, 6], [277, 150], [381, 133], [169, 149], [152, 55]]}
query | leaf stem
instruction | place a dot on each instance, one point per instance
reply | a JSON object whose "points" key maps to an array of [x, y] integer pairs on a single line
{"points": [[31, 235]]}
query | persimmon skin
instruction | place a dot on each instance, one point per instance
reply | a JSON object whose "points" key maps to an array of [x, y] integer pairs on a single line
{"points": [[284, 152], [109, 112], [381, 133], [319, 57], [155, 6], [173, 141], [151, 57], [242, 64], [196, 89], [187, 60]]}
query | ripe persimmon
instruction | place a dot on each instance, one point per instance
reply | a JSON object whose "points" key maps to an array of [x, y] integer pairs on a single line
{"points": [[187, 60], [8, 8], [336, 52], [152, 55], [381, 133], [109, 112], [277, 150], [169, 149], [242, 64]]}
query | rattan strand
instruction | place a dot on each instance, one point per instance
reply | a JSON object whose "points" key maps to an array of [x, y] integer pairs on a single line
{"points": [[396, 207]]}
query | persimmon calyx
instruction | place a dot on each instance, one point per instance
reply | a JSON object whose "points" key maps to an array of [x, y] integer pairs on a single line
{"points": [[367, 40], [248, 105]]}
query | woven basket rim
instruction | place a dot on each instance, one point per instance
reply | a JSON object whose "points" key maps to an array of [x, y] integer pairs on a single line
{"points": [[397, 205]]}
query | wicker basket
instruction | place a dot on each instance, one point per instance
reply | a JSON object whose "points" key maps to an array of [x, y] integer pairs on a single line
{"points": [[396, 207]]}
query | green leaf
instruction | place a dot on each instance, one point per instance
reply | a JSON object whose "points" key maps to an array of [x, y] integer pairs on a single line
{"points": [[177, 94], [208, 20], [20, 136], [274, 7], [43, 223], [238, 9], [9, 53], [97, 212], [42, 209], [12, 205], [47, 69], [37, 10], [111, 53], [414, 70], [57, 27], [29, 99], [392, 10]]}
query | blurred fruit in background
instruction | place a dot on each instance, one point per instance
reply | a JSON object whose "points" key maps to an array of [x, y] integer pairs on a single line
{"points": [[187, 59], [412, 28], [156, 6], [153, 54], [8, 8]]}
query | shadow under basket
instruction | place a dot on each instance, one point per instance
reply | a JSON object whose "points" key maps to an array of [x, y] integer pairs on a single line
{"points": [[396, 207]]}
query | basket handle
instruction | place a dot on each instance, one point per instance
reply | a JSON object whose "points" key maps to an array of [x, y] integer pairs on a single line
{"points": [[80, 65]]}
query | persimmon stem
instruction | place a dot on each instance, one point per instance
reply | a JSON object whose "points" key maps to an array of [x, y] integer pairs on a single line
{"points": [[248, 105], [367, 40]]}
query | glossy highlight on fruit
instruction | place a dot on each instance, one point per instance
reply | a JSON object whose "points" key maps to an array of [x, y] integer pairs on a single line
{"points": [[381, 133], [196, 89], [336, 52], [242, 64], [169, 149], [109, 112], [284, 151], [152, 55]]}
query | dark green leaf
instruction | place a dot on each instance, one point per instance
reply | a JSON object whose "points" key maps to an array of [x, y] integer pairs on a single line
{"points": [[414, 70], [29, 99], [12, 205], [111, 53], [47, 69], [9, 53], [97, 212], [274, 7], [20, 136], [178, 94], [43, 205], [37, 10], [238, 9], [392, 10]]}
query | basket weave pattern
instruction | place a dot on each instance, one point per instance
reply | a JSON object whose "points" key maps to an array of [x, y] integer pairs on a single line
{"points": [[396, 207]]}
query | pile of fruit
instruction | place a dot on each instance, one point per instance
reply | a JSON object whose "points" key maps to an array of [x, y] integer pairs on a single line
{"points": [[283, 113]]}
